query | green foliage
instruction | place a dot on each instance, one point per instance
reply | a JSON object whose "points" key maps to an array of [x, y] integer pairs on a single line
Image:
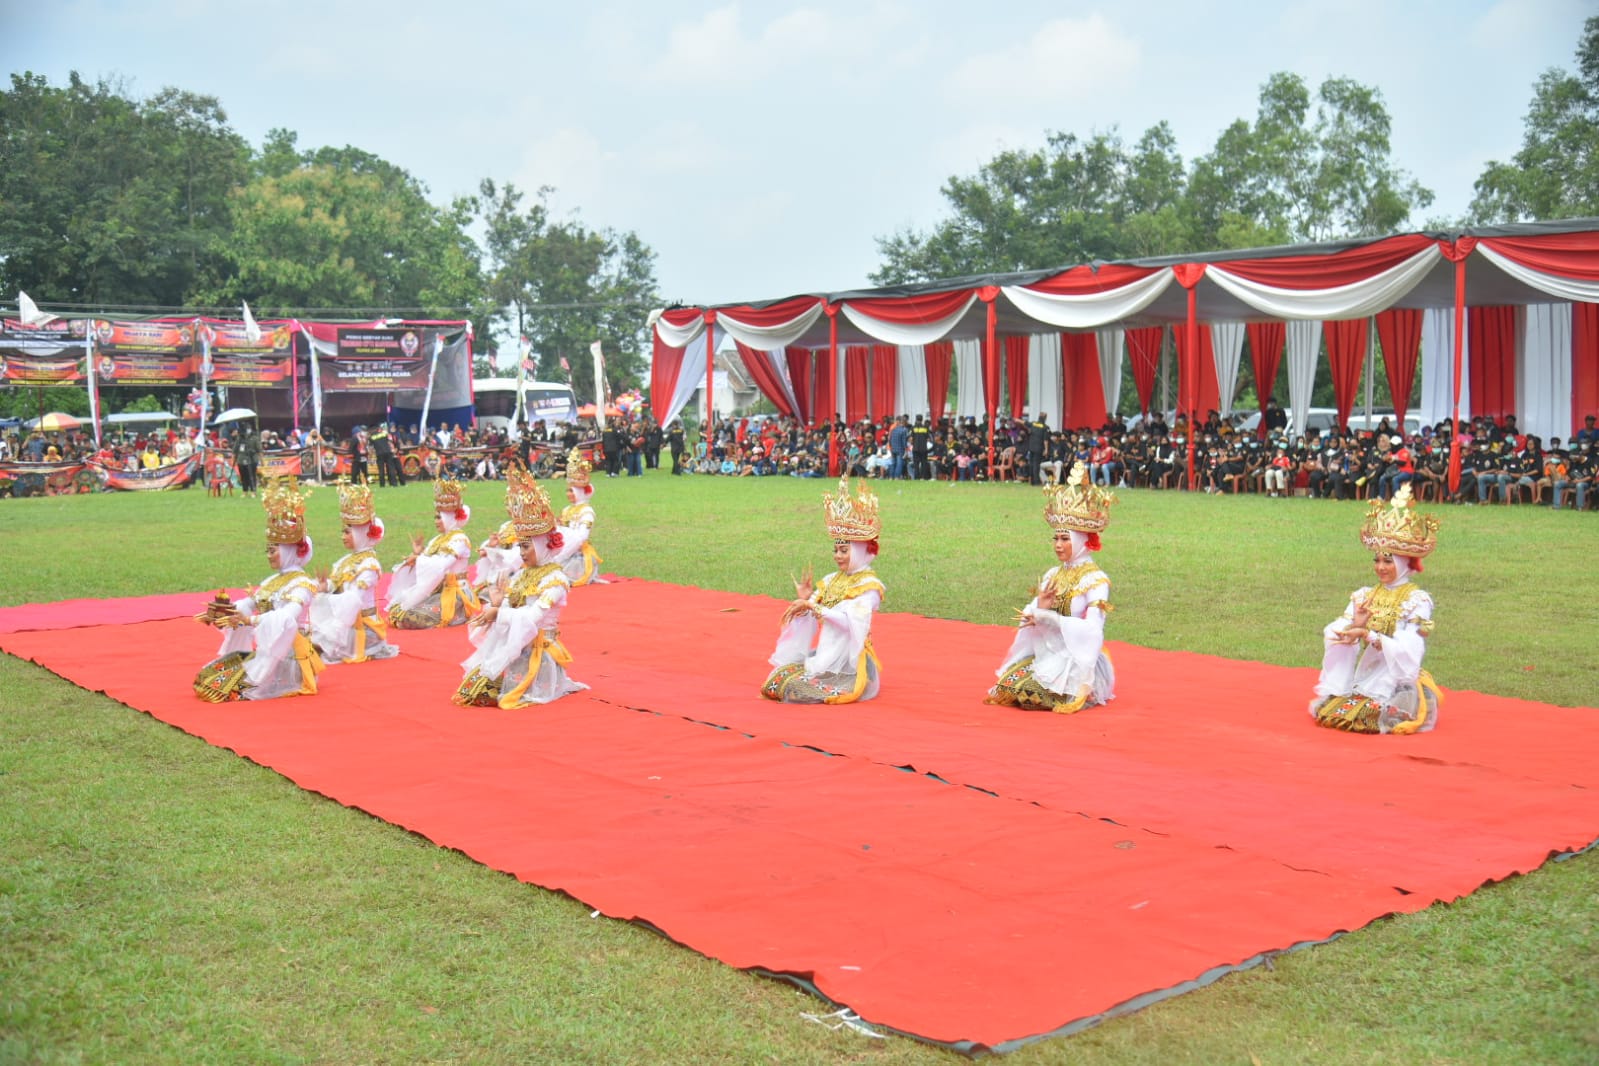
{"points": [[1556, 173], [1297, 173], [108, 199]]}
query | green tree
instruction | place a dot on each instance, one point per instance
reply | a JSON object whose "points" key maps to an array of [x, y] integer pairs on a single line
{"points": [[109, 200], [1556, 173]]}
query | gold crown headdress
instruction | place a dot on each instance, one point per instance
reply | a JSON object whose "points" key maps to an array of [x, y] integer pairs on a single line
{"points": [[527, 503], [446, 494], [507, 533], [578, 470], [1397, 528], [285, 511], [852, 519], [1078, 504], [355, 503]]}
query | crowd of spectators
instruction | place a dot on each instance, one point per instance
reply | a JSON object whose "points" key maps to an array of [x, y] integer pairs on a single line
{"points": [[1499, 463]]}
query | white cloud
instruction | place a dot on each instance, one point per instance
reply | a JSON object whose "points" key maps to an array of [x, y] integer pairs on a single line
{"points": [[1063, 57], [721, 49]]}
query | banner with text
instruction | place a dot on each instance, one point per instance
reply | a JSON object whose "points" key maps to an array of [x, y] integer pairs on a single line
{"points": [[237, 360], [144, 353], [40, 357], [367, 359]]}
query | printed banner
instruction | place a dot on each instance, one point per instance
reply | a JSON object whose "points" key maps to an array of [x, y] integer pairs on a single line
{"points": [[47, 479], [175, 476], [377, 360], [40, 357], [279, 464], [143, 353], [238, 360]]}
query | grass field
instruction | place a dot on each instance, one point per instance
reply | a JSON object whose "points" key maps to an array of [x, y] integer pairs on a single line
{"points": [[165, 901]]}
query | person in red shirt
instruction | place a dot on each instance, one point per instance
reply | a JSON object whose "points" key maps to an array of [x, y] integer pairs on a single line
{"points": [[1401, 468]]}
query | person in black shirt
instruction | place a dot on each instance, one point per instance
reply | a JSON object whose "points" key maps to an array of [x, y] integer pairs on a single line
{"points": [[1037, 441], [674, 438], [920, 439]]}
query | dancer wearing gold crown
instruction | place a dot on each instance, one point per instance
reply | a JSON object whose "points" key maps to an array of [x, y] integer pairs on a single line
{"points": [[824, 650], [578, 557], [1371, 676], [520, 660], [345, 623], [1057, 661], [265, 654], [498, 556], [430, 589]]}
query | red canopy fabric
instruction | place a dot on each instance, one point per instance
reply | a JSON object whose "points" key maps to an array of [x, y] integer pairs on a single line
{"points": [[799, 375], [1016, 348], [1346, 352], [1308, 272], [855, 392], [1206, 394], [1143, 350], [774, 314], [885, 380], [1081, 280], [1399, 332], [1491, 361], [1584, 362], [1569, 255], [1083, 405], [666, 363], [1266, 341], [826, 390], [912, 310], [940, 355]]}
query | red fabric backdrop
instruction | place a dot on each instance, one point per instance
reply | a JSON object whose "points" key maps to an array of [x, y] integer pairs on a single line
{"points": [[855, 392], [666, 363], [799, 375], [940, 355], [1016, 373], [1083, 391], [826, 391], [1570, 255], [1143, 349], [885, 380], [1266, 340], [1329, 271], [1208, 396], [765, 377], [1584, 362], [1399, 332], [1346, 355], [1491, 348]]}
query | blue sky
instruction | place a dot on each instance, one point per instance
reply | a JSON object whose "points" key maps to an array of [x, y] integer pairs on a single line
{"points": [[760, 148]]}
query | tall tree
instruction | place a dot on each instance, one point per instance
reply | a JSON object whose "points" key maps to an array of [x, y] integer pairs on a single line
{"points": [[110, 200], [1556, 173]]}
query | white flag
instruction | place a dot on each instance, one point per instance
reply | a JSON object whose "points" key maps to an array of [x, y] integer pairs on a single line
{"points": [[599, 384], [29, 311], [252, 332]]}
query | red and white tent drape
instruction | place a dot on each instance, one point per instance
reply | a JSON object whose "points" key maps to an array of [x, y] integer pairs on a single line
{"points": [[1530, 340]]}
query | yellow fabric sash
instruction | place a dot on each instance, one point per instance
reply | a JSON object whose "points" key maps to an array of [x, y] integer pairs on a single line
{"points": [[369, 620], [861, 676], [546, 643], [455, 591], [311, 664]]}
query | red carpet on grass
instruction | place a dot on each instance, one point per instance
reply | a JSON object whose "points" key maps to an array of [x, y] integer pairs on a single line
{"points": [[1095, 859]]}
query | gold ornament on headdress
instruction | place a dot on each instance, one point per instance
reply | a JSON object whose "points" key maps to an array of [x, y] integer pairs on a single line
{"points": [[506, 534], [1078, 504], [1397, 528], [355, 503], [852, 519], [285, 510], [578, 469], [527, 503], [446, 494]]}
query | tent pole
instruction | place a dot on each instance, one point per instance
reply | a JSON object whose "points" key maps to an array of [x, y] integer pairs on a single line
{"points": [[1460, 250], [991, 383], [1187, 385], [710, 369], [832, 406]]}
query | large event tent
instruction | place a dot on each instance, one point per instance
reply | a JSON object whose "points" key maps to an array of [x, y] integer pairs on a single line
{"points": [[1501, 320]]}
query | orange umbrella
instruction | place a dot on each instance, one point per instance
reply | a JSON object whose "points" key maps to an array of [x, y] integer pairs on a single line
{"points": [[56, 421]]}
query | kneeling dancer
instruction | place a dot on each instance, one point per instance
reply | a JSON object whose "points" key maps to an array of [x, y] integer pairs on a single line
{"points": [[431, 589], [345, 623]]}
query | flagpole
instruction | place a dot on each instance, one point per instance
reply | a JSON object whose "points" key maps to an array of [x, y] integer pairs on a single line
{"points": [[94, 392], [205, 375], [599, 385]]}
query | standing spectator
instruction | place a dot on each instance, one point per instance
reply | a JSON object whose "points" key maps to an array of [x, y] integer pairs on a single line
{"points": [[1037, 442], [899, 447], [248, 455], [674, 439], [652, 444], [358, 457], [389, 472], [920, 438], [614, 443]]}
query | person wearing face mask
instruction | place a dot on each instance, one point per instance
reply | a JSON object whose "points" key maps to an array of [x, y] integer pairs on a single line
{"points": [[345, 623], [1371, 679], [824, 649], [265, 652], [519, 659], [1057, 661], [431, 587]]}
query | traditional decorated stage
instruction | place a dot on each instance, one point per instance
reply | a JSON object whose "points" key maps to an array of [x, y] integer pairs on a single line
{"points": [[967, 874]]}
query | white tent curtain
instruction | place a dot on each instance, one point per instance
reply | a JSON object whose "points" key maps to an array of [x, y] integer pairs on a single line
{"points": [[900, 333], [1355, 300], [1304, 345], [1110, 365], [1437, 403], [840, 386], [1543, 370], [1227, 342], [691, 376], [678, 336], [1564, 288], [1091, 310], [969, 379], [910, 388], [769, 338], [1043, 377]]}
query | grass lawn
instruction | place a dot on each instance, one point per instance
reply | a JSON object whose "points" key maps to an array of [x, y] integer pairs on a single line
{"points": [[165, 901]]}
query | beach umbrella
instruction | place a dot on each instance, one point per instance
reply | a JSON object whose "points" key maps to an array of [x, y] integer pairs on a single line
{"points": [[56, 421]]}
